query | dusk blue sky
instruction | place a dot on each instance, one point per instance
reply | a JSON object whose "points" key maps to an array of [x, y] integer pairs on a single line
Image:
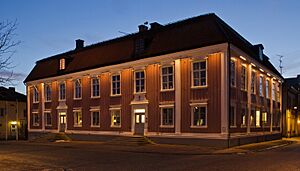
{"points": [[50, 27]]}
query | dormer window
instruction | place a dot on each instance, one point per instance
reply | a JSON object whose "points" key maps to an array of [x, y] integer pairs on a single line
{"points": [[139, 46], [62, 64]]}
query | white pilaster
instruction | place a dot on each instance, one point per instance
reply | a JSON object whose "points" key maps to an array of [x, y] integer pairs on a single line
{"points": [[224, 93], [28, 106], [249, 97], [271, 105], [42, 102], [177, 97]]}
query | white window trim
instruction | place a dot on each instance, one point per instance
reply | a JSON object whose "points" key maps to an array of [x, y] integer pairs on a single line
{"points": [[192, 114], [111, 85], [192, 74], [91, 112], [74, 89], [111, 113], [33, 120], [235, 62], [92, 96], [161, 116], [262, 85], [246, 77], [75, 124], [47, 111], [34, 96], [255, 82], [234, 125], [45, 91], [134, 83], [161, 78], [273, 91], [59, 95]]}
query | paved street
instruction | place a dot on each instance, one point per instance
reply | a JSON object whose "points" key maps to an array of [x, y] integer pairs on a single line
{"points": [[97, 156]]}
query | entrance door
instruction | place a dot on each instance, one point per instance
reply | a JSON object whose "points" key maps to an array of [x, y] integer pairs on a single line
{"points": [[62, 121], [139, 123]]}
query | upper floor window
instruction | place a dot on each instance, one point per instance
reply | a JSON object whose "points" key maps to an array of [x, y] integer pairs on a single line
{"points": [[47, 92], [62, 64], [77, 89], [199, 74], [278, 92], [35, 95], [273, 91], [167, 78], [95, 87], [62, 91], [199, 115], [267, 88], [261, 85], [232, 72], [244, 78], [253, 82], [116, 84], [139, 81]]}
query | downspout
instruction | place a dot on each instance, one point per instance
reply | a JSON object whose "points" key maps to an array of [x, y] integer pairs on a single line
{"points": [[229, 93]]}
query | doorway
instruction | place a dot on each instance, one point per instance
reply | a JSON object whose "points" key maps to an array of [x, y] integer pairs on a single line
{"points": [[139, 122], [62, 121]]}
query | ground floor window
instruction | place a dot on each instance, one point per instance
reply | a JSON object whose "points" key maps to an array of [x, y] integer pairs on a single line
{"points": [[264, 118], [77, 118], [48, 118], [252, 118], [199, 115], [232, 116], [95, 118], [244, 117], [116, 118], [257, 119], [35, 119], [167, 116]]}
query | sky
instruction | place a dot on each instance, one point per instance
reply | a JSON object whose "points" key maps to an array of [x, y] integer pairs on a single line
{"points": [[49, 27]]}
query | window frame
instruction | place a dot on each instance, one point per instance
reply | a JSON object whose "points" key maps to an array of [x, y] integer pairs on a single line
{"points": [[267, 88], [244, 77], [162, 125], [192, 116], [111, 83], [273, 91], [62, 64], [34, 121], [234, 120], [135, 86], [233, 72], [46, 113], [253, 82], [168, 74], [192, 74], [261, 86], [75, 88], [244, 107], [36, 93], [92, 118], [111, 118], [59, 92], [48, 95], [76, 124], [92, 87]]}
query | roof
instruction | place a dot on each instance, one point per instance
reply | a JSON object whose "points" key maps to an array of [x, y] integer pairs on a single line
{"points": [[9, 94], [196, 32], [293, 82]]}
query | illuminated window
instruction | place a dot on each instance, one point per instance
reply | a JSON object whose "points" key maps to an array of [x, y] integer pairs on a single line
{"points": [[62, 91], [48, 118], [253, 82], [232, 73], [199, 73], [261, 85], [244, 116], [95, 87], [167, 116], [95, 118], [77, 89], [199, 117], [257, 119], [278, 92], [167, 78], [267, 89], [264, 118], [252, 118], [77, 118], [139, 81], [35, 95], [47, 92], [116, 84], [273, 91], [115, 118], [232, 116], [62, 64], [244, 78], [35, 119]]}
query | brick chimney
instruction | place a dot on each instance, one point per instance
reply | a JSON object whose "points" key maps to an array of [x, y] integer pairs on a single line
{"points": [[79, 44], [155, 25], [260, 51], [142, 27], [12, 89]]}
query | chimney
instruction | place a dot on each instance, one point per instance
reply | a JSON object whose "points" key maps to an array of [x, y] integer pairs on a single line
{"points": [[12, 89], [155, 25], [142, 28], [260, 51], [79, 44]]}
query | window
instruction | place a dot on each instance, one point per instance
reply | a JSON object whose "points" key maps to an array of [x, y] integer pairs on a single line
{"points": [[232, 72], [116, 85], [62, 91], [62, 64], [48, 118], [261, 85], [77, 89], [47, 92], [2, 111], [278, 92], [95, 118], [244, 78], [199, 74], [252, 118], [199, 117], [35, 95], [139, 46], [36, 119], [167, 116], [253, 82], [257, 119], [95, 87], [77, 118], [139, 81], [264, 118], [267, 89], [167, 78], [115, 118], [232, 116], [273, 91], [244, 117]]}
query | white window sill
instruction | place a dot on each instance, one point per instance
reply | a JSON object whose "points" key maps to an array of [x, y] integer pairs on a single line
{"points": [[77, 98], [62, 100], [35, 102], [48, 125], [199, 87], [115, 126], [115, 95], [35, 124], [204, 126], [95, 126], [48, 101], [233, 126], [166, 126], [77, 126], [138, 93], [95, 97], [166, 90]]}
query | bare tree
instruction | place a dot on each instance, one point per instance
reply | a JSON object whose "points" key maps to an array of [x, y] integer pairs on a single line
{"points": [[7, 49]]}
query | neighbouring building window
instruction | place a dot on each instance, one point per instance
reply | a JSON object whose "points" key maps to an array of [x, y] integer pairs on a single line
{"points": [[48, 118], [62, 91], [261, 85], [167, 116], [48, 92], [115, 118], [199, 73], [35, 95], [139, 81], [95, 118], [35, 119], [267, 88], [273, 91], [244, 116], [232, 72], [257, 119], [244, 78], [77, 89], [253, 82], [77, 118], [199, 117], [95, 87], [167, 78], [264, 118], [116, 84], [232, 116], [62, 64], [252, 118]]}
